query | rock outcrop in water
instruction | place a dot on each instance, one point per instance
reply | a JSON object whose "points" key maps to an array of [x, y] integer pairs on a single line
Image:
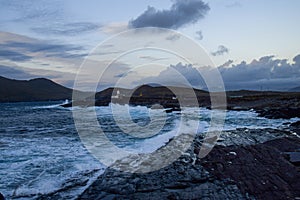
{"points": [[245, 164]]}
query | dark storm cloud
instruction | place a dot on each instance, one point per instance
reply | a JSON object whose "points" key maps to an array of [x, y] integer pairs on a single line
{"points": [[221, 51], [265, 73], [70, 29], [13, 55], [181, 13], [256, 70]]}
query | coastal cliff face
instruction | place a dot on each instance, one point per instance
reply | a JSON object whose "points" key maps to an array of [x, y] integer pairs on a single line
{"points": [[245, 164]]}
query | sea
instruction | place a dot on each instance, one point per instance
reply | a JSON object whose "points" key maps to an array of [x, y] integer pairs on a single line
{"points": [[41, 151]]}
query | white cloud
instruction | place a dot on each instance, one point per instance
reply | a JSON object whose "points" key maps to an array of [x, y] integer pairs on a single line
{"points": [[114, 28]]}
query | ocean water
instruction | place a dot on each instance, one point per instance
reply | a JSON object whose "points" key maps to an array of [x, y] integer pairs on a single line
{"points": [[41, 151]]}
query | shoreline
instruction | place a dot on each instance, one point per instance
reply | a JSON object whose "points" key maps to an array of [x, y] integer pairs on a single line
{"points": [[241, 161], [240, 143]]}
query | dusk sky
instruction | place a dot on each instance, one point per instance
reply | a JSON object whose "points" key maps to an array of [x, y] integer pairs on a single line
{"points": [[255, 43]]}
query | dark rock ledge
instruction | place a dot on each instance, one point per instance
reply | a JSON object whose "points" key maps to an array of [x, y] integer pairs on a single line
{"points": [[261, 168]]}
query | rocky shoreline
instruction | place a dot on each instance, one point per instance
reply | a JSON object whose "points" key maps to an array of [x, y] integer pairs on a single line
{"points": [[272, 105], [244, 164]]}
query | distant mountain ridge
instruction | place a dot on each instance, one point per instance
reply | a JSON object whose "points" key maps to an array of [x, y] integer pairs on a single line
{"points": [[39, 89], [42, 89], [295, 89]]}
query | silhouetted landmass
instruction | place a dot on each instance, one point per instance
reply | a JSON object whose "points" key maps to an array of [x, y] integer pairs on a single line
{"points": [[39, 89], [267, 103], [273, 105], [244, 164], [147, 95], [295, 89]]}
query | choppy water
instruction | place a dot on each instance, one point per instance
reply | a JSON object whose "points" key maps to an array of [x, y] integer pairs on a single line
{"points": [[41, 153]]}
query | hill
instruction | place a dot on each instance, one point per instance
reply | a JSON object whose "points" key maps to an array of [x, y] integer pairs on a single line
{"points": [[295, 89], [39, 89]]}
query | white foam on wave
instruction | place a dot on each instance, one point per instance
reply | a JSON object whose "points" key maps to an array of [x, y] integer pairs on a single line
{"points": [[48, 106], [42, 165], [239, 119], [34, 164], [187, 124], [69, 185], [250, 120], [198, 117], [150, 145]]}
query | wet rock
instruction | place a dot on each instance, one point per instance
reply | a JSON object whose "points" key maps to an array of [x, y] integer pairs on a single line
{"points": [[180, 180], [260, 170], [280, 112], [295, 127], [245, 164], [244, 136]]}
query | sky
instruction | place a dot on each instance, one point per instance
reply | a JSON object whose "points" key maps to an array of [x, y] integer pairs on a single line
{"points": [[253, 43]]}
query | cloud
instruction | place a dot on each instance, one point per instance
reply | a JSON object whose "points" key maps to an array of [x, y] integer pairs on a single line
{"points": [[296, 59], [151, 58], [199, 35], [227, 63], [221, 51], [70, 29], [35, 10], [20, 73], [40, 46], [114, 28], [13, 56], [123, 74], [14, 73], [181, 13], [113, 72], [174, 75], [173, 37], [264, 73], [20, 51], [234, 4], [39, 57]]}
